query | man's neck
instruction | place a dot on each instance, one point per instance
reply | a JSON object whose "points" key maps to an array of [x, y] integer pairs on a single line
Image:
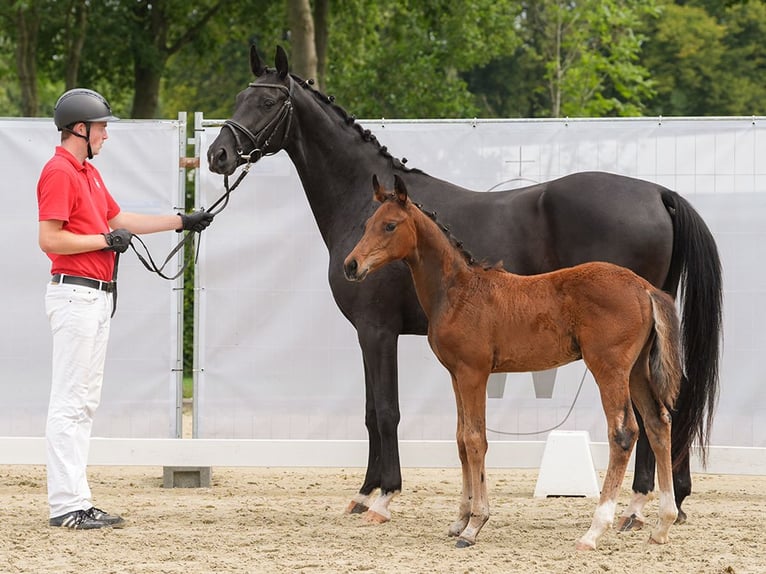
{"points": [[77, 147]]}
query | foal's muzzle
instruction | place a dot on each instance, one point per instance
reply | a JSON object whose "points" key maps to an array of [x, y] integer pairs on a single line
{"points": [[352, 272]]}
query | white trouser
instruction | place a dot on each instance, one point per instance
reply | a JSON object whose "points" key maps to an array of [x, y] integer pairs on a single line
{"points": [[79, 319]]}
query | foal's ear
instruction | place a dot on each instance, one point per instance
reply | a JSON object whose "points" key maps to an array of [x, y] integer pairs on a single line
{"points": [[400, 189], [280, 61], [255, 62], [379, 192]]}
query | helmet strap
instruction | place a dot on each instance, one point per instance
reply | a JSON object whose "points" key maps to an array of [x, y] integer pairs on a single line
{"points": [[86, 137]]}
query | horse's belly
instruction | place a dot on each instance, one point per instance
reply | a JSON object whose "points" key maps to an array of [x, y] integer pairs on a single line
{"points": [[523, 356]]}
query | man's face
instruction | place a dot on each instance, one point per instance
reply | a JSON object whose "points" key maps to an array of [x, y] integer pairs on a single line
{"points": [[98, 136]]}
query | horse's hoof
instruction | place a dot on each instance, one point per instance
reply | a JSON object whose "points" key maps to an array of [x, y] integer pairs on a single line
{"points": [[681, 518], [463, 543], [373, 517], [356, 508], [584, 545], [456, 528], [628, 523]]}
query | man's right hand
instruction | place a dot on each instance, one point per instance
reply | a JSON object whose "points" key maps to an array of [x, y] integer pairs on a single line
{"points": [[117, 240]]}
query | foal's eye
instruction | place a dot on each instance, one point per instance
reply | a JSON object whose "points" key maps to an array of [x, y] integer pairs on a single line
{"points": [[390, 226]]}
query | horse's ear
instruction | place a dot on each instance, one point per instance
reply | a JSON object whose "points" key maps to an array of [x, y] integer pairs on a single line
{"points": [[379, 192], [280, 60], [400, 189], [255, 62]]}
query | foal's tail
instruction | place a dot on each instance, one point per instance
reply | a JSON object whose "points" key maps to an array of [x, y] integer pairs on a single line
{"points": [[665, 360], [695, 278]]}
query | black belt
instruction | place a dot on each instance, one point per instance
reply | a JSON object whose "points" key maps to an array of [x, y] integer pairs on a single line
{"points": [[108, 286]]}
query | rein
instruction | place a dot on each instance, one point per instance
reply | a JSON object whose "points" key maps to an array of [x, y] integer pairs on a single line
{"points": [[148, 261], [260, 142]]}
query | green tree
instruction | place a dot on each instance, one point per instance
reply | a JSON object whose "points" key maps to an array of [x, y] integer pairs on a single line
{"points": [[406, 59], [576, 59], [741, 89], [684, 58]]}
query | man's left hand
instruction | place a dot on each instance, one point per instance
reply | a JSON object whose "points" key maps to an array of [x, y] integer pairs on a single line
{"points": [[196, 221]]}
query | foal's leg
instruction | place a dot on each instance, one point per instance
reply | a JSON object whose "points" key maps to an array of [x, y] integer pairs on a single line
{"points": [[472, 386], [657, 423], [632, 517], [622, 432], [464, 510]]}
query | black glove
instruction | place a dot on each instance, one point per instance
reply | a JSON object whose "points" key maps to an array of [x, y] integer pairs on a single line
{"points": [[118, 240], [195, 221]]}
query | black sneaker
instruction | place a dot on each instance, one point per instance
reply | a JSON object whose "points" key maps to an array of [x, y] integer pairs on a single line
{"points": [[78, 520], [112, 520]]}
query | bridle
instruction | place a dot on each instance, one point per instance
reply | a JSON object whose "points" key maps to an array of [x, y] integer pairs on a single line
{"points": [[260, 141]]}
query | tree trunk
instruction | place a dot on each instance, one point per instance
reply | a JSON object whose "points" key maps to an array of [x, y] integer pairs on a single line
{"points": [[27, 28], [321, 27], [146, 96], [75, 39], [304, 57]]}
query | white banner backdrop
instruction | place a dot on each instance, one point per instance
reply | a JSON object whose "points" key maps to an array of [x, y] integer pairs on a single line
{"points": [[278, 361], [139, 164]]}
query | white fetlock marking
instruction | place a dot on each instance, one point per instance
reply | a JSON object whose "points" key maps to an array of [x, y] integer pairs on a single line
{"points": [[363, 499], [636, 505], [603, 518], [380, 505], [667, 516]]}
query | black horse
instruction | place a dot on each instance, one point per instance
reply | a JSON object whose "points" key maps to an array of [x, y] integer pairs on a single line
{"points": [[582, 217]]}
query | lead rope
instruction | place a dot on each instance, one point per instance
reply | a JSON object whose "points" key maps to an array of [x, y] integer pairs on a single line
{"points": [[148, 261], [571, 408]]}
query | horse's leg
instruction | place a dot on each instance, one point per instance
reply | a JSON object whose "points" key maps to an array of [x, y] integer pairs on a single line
{"points": [[472, 386], [643, 483], [380, 361], [622, 432], [657, 423], [464, 510], [682, 477], [361, 502]]}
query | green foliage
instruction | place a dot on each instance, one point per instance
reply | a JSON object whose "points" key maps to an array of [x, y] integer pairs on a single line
{"points": [[405, 59]]}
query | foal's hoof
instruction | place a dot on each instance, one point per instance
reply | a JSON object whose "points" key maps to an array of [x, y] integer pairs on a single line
{"points": [[681, 518], [628, 523], [584, 545], [356, 508], [463, 543], [373, 517]]}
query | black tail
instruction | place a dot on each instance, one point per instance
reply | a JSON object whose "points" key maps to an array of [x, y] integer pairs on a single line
{"points": [[695, 277]]}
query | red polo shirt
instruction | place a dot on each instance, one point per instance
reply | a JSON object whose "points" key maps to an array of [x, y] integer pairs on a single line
{"points": [[74, 193]]}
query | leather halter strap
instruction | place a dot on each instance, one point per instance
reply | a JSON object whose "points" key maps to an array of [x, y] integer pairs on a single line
{"points": [[260, 141]]}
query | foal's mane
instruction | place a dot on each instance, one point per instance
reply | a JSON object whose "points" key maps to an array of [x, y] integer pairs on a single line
{"points": [[350, 120], [456, 243]]}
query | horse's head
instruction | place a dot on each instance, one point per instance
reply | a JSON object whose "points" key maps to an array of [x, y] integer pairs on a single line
{"points": [[389, 234], [261, 120]]}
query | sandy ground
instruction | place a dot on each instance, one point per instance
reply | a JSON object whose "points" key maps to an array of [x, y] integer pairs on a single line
{"points": [[275, 520]]}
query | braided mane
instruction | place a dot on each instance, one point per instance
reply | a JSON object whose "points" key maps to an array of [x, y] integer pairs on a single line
{"points": [[456, 243], [350, 120]]}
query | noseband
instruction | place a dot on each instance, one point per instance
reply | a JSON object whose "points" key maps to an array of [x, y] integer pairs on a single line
{"points": [[260, 141]]}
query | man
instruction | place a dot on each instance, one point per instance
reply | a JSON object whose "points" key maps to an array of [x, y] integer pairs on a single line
{"points": [[81, 228]]}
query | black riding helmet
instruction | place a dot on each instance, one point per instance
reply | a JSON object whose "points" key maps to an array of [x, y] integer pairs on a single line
{"points": [[81, 105]]}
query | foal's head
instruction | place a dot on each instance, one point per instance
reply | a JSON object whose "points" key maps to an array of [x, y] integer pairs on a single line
{"points": [[389, 233]]}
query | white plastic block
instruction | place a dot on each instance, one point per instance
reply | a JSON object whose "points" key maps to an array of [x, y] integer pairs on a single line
{"points": [[567, 466]]}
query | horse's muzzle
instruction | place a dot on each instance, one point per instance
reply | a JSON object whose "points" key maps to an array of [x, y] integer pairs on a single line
{"points": [[220, 160], [352, 272]]}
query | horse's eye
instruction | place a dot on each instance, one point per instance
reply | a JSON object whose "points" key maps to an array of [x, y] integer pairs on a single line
{"points": [[269, 103], [390, 227]]}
